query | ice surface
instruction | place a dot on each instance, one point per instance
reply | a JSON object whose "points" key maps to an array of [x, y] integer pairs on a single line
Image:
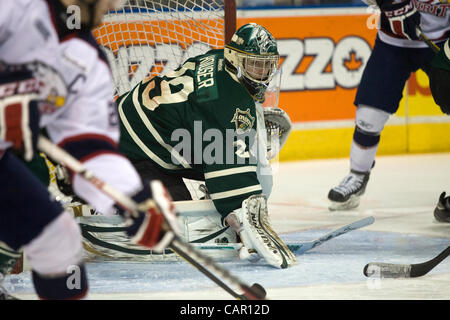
{"points": [[401, 195]]}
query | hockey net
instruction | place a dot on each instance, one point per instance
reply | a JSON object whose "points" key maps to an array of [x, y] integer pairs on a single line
{"points": [[149, 38]]}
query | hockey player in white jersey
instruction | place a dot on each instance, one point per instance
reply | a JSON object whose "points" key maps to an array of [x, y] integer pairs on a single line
{"points": [[54, 76], [398, 51]]}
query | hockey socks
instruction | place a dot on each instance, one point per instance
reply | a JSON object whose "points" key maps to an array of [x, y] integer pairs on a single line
{"points": [[70, 286]]}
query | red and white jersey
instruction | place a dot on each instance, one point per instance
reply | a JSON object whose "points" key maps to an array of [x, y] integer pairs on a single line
{"points": [[435, 24], [89, 107], [77, 89], [28, 41], [75, 78]]}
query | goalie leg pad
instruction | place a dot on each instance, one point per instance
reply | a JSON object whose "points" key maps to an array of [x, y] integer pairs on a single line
{"points": [[257, 233]]}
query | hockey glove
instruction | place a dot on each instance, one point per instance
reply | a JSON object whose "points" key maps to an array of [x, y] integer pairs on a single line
{"points": [[399, 18], [440, 78], [154, 224], [278, 127], [19, 113]]}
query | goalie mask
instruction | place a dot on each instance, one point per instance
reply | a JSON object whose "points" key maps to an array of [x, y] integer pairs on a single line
{"points": [[253, 57]]}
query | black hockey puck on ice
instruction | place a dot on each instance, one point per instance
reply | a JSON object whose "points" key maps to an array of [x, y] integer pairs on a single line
{"points": [[259, 290]]}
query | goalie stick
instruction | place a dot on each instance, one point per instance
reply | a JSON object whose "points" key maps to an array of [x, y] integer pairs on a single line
{"points": [[301, 248], [185, 250], [391, 270]]}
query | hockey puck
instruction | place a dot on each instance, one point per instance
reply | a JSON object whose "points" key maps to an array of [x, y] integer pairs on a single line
{"points": [[259, 290]]}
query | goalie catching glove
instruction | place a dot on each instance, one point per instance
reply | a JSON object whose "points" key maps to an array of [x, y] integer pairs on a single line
{"points": [[278, 127], [252, 224], [154, 224]]}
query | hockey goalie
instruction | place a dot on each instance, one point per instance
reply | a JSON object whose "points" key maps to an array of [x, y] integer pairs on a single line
{"points": [[205, 122]]}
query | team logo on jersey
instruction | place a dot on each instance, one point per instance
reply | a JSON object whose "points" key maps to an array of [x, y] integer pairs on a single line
{"points": [[243, 120]]}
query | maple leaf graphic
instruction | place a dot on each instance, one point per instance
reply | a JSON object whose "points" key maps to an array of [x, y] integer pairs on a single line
{"points": [[353, 63]]}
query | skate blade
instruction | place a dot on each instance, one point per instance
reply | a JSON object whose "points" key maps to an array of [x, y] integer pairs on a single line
{"points": [[351, 203]]}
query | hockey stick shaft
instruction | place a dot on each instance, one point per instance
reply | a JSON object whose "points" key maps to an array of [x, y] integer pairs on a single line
{"points": [[299, 248], [64, 158], [430, 43], [392, 270], [189, 254]]}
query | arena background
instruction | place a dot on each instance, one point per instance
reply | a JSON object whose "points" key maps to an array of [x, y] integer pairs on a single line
{"points": [[324, 51]]}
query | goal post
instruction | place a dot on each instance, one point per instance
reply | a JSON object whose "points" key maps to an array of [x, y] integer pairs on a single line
{"points": [[146, 38]]}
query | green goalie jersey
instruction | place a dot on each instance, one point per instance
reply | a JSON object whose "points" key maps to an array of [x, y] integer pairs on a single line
{"points": [[197, 119]]}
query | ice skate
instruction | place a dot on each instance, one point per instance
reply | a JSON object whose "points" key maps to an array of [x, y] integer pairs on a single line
{"points": [[442, 210], [347, 194]]}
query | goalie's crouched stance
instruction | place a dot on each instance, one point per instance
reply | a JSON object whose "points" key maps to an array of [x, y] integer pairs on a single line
{"points": [[252, 223]]}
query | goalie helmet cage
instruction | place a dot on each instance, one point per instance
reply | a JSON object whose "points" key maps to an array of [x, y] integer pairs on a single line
{"points": [[147, 38]]}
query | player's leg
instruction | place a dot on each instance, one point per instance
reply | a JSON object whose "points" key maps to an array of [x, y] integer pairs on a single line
{"points": [[50, 237], [425, 59], [378, 96], [442, 210]]}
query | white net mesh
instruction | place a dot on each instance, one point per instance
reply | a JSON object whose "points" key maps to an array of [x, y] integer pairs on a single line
{"points": [[153, 37]]}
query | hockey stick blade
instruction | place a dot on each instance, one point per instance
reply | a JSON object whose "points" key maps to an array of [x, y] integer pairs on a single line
{"points": [[180, 247], [392, 270], [300, 248]]}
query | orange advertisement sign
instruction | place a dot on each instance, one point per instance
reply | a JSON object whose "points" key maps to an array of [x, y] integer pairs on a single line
{"points": [[322, 62]]}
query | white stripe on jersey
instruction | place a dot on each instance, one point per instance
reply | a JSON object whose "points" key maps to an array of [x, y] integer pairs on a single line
{"points": [[235, 192], [227, 172]]}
